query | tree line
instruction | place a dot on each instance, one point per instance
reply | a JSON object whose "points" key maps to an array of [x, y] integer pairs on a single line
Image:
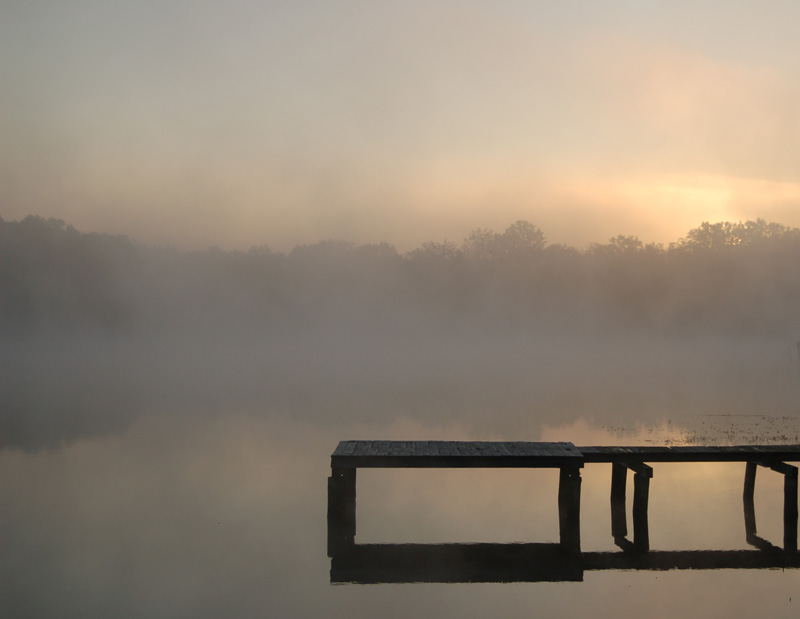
{"points": [[721, 277]]}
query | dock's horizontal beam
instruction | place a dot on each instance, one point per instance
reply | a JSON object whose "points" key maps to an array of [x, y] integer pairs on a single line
{"points": [[518, 454], [769, 454], [455, 454], [781, 467], [639, 468], [445, 462]]}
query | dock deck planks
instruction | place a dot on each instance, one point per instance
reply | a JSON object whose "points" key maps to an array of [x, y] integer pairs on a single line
{"points": [[469, 454], [455, 454], [692, 453]]}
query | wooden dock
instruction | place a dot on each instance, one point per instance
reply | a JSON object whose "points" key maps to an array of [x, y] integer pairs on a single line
{"points": [[569, 459]]}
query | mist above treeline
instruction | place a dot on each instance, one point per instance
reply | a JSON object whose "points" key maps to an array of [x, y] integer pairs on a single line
{"points": [[727, 278]]}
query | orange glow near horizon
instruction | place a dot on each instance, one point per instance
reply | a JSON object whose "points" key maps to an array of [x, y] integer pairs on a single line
{"points": [[399, 122]]}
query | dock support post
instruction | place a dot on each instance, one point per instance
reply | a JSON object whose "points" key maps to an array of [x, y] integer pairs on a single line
{"points": [[641, 530], [790, 509], [619, 520], [341, 510], [749, 504], [789, 473], [569, 509], [641, 496]]}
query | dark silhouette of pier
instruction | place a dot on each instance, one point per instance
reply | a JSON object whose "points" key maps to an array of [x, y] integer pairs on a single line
{"points": [[353, 562]]}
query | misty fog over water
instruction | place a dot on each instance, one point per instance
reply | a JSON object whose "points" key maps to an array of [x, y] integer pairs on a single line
{"points": [[167, 417], [499, 330]]}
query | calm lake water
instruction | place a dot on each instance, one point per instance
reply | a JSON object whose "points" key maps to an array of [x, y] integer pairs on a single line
{"points": [[176, 494]]}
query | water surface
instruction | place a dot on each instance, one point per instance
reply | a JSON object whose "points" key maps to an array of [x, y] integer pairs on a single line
{"points": [[175, 492]]}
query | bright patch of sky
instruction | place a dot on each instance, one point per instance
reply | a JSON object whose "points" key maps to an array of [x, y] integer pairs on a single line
{"points": [[250, 123]]}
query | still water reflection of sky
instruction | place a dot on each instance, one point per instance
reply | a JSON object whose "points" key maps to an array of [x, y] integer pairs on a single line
{"points": [[226, 516]]}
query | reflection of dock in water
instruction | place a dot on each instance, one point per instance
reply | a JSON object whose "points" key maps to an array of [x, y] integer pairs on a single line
{"points": [[453, 563], [564, 561], [385, 563]]}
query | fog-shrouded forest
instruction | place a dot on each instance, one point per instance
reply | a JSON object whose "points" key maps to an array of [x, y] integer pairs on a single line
{"points": [[736, 279], [499, 321]]}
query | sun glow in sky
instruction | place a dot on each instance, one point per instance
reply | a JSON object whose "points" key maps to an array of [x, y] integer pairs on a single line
{"points": [[251, 123]]}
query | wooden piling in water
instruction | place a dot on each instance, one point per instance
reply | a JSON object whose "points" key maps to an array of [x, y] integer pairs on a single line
{"points": [[789, 473], [790, 509], [641, 529], [749, 502], [750, 480], [569, 509], [641, 495], [341, 509], [619, 518]]}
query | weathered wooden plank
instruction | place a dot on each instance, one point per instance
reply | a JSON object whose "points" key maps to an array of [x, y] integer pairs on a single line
{"points": [[543, 454], [769, 455], [458, 454]]}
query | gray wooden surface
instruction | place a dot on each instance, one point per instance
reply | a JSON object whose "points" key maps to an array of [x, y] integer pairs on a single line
{"points": [[424, 454]]}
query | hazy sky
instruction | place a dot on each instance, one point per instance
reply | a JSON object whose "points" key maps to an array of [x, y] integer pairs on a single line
{"points": [[250, 122]]}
